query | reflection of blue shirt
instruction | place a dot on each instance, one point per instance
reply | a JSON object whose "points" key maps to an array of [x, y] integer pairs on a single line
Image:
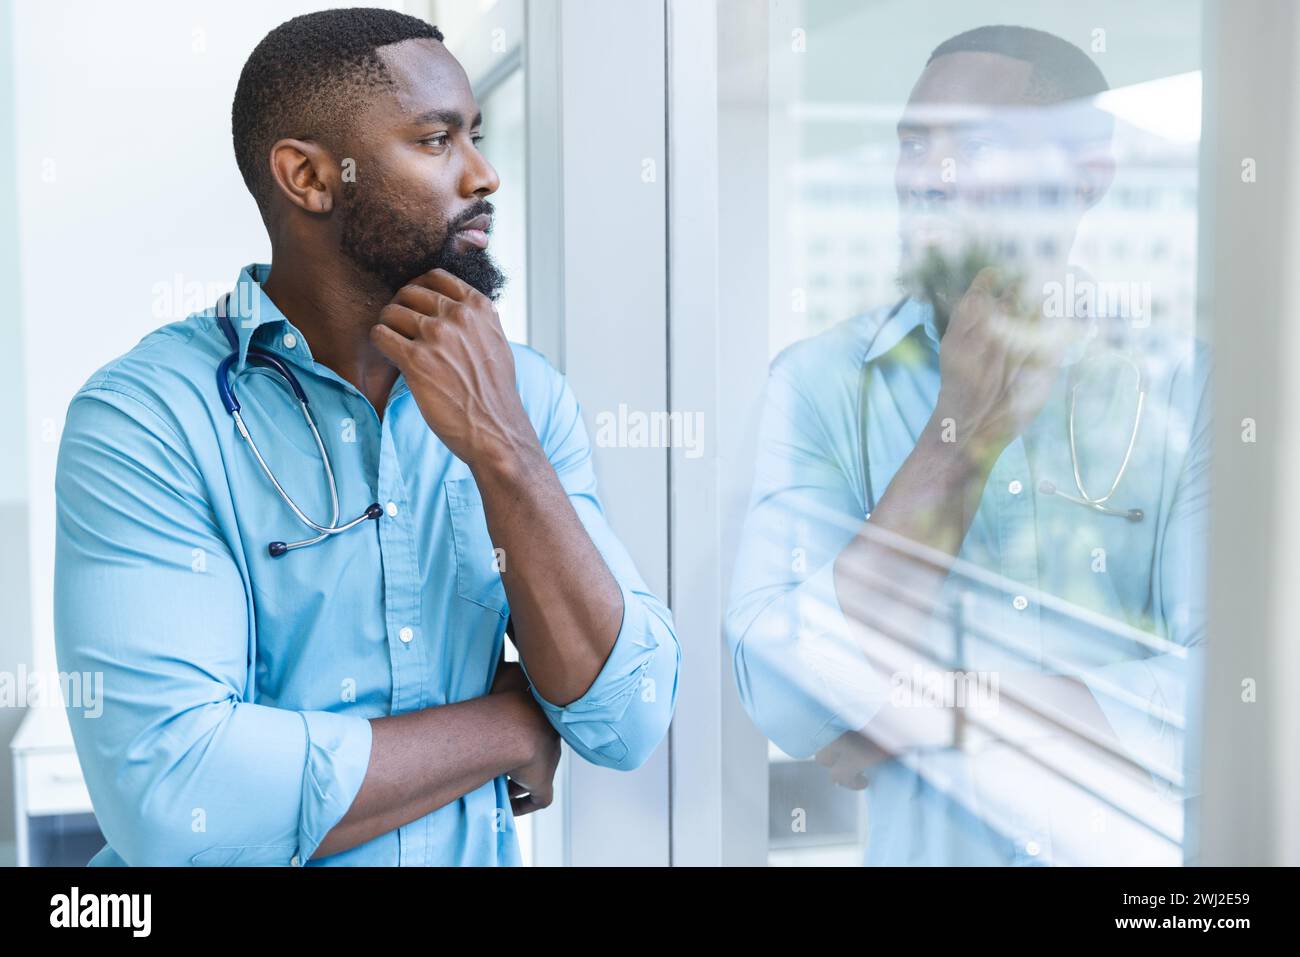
{"points": [[238, 686], [805, 681]]}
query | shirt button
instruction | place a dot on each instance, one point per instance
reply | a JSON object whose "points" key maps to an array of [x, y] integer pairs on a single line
{"points": [[293, 861], [290, 340], [406, 634], [391, 509], [1015, 488], [1020, 603], [1032, 848]]}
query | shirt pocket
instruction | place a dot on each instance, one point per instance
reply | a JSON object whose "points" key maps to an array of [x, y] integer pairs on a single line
{"points": [[478, 576]]}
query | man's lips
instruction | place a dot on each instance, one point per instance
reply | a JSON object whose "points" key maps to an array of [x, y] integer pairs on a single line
{"points": [[475, 232]]}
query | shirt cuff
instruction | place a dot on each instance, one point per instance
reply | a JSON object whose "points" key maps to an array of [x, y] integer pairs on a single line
{"points": [[591, 723], [338, 755], [851, 689]]}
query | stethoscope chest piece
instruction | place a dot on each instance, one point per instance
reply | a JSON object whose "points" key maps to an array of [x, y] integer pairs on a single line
{"points": [[1133, 514]]}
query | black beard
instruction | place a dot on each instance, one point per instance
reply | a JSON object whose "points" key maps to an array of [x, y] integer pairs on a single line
{"points": [[941, 280], [380, 242]]}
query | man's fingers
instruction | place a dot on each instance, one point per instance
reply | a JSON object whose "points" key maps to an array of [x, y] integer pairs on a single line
{"points": [[424, 300], [980, 302], [525, 801], [988, 281], [1012, 301], [392, 344], [524, 805], [401, 319], [441, 281], [851, 771], [855, 781]]}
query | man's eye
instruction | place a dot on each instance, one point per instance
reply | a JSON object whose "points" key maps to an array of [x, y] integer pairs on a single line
{"points": [[437, 139], [911, 147], [476, 139]]}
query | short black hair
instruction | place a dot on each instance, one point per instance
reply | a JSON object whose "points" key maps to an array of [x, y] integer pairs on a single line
{"points": [[1061, 71], [307, 78]]}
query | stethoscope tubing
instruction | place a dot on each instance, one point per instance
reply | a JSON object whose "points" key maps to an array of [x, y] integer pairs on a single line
{"points": [[231, 404], [1099, 504], [1045, 487]]}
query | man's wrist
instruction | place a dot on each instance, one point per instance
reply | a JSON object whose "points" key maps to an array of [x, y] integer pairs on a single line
{"points": [[526, 716], [509, 461], [964, 453]]}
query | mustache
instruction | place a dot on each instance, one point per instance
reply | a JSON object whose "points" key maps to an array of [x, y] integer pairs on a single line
{"points": [[480, 208]]}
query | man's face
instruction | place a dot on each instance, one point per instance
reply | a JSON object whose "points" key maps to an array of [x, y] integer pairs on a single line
{"points": [[983, 178], [419, 200]]}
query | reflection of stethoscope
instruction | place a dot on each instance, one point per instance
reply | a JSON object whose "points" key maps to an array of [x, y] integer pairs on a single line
{"points": [[263, 358], [1098, 504], [1084, 499]]}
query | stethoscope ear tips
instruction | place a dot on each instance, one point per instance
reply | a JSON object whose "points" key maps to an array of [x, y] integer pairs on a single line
{"points": [[374, 511], [277, 549], [1135, 515]]}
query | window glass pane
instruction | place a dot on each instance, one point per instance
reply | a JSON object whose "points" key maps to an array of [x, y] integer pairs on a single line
{"points": [[486, 37], [966, 604], [503, 144]]}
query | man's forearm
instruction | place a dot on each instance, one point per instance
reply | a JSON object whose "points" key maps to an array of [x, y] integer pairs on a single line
{"points": [[421, 760], [566, 604], [446, 338], [932, 501]]}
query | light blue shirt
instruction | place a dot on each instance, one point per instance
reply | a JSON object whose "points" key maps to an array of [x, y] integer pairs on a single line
{"points": [[1049, 573], [237, 686]]}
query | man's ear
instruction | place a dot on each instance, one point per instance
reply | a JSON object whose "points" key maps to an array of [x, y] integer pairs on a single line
{"points": [[304, 174]]}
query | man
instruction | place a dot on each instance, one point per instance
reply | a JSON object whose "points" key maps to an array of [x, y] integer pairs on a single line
{"points": [[914, 526], [341, 700]]}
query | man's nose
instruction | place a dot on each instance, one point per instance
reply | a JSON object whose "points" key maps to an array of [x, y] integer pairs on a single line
{"points": [[929, 181], [480, 178]]}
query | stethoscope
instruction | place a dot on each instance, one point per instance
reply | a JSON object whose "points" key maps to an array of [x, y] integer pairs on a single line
{"points": [[1098, 504], [267, 360]]}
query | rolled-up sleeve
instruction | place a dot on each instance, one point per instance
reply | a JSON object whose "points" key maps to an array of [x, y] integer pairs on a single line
{"points": [[182, 767], [620, 720], [799, 668]]}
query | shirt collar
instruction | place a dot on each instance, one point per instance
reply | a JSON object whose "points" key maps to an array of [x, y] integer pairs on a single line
{"points": [[911, 314], [253, 314], [896, 324], [257, 321]]}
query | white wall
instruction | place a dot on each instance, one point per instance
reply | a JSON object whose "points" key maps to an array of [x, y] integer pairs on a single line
{"points": [[126, 179], [15, 633]]}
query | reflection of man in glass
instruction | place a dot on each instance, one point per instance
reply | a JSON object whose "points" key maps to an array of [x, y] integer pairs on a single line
{"points": [[968, 574]]}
